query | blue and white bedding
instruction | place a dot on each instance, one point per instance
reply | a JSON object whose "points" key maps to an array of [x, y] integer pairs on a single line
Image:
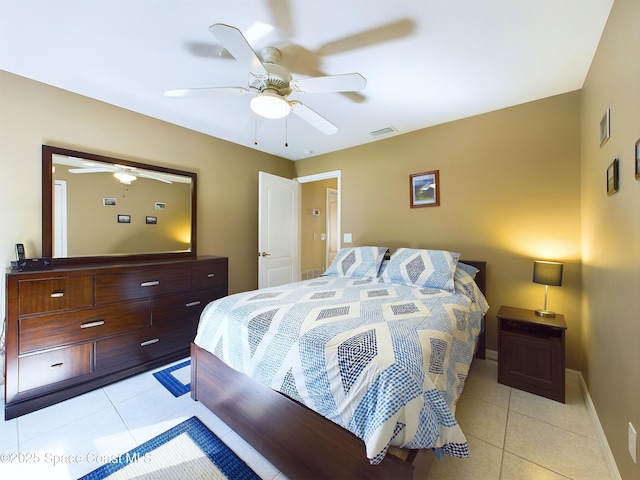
{"points": [[382, 358]]}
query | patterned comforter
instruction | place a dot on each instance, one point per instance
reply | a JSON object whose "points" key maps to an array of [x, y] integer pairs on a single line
{"points": [[385, 361]]}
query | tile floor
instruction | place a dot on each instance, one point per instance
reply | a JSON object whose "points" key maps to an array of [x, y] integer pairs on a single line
{"points": [[512, 434]]}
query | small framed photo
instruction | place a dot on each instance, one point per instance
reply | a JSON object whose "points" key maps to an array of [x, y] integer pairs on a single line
{"points": [[605, 127], [151, 220], [425, 189], [612, 177], [109, 202], [637, 157], [161, 206], [124, 218]]}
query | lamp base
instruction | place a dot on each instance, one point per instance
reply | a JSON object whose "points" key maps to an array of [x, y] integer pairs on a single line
{"points": [[545, 313]]}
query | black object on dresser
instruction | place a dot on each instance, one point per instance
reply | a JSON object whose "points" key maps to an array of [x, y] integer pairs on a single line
{"points": [[72, 329], [531, 352]]}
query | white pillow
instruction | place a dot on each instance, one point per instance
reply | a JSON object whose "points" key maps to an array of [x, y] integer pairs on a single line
{"points": [[422, 268], [357, 262]]}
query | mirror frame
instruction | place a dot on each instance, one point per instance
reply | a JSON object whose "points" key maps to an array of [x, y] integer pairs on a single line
{"points": [[47, 209]]}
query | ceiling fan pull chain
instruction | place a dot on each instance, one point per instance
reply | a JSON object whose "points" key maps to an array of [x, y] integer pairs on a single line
{"points": [[286, 131], [255, 130]]}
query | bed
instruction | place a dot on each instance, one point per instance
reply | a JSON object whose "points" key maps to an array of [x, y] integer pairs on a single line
{"points": [[354, 374]]}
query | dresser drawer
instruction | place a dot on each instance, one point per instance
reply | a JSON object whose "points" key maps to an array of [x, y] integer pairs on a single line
{"points": [[210, 275], [48, 331], [55, 366], [53, 294], [182, 309], [140, 347], [117, 287]]}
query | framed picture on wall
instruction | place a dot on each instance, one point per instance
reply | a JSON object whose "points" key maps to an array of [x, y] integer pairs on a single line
{"points": [[612, 178], [425, 189], [605, 127], [637, 157], [124, 218]]}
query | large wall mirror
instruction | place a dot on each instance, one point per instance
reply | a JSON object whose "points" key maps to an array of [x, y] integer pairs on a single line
{"points": [[96, 208]]}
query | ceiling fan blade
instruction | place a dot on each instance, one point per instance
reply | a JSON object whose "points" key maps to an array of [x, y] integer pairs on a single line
{"points": [[205, 92], [313, 118], [237, 45], [257, 32], [382, 34], [152, 177], [92, 170], [349, 82], [281, 13]]}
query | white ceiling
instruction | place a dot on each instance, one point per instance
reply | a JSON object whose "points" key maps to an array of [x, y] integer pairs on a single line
{"points": [[426, 61]]}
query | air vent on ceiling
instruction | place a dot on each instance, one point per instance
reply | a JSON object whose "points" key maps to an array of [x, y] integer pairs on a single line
{"points": [[383, 131]]}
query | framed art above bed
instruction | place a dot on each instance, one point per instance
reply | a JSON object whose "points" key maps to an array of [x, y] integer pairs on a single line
{"points": [[402, 333], [424, 189]]}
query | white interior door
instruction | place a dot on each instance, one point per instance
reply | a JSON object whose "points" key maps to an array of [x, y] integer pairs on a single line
{"points": [[278, 231]]}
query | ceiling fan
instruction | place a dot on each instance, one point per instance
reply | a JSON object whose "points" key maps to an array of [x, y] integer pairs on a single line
{"points": [[272, 84], [124, 173]]}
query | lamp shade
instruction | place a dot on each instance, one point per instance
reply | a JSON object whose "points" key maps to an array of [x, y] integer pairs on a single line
{"points": [[547, 273]]}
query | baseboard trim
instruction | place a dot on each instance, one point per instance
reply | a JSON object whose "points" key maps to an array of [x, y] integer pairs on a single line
{"points": [[491, 354], [602, 439]]}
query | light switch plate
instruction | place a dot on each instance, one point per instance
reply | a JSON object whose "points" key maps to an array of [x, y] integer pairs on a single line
{"points": [[348, 238]]}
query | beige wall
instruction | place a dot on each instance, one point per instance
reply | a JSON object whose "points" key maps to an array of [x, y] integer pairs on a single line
{"points": [[611, 233], [510, 193], [32, 114]]}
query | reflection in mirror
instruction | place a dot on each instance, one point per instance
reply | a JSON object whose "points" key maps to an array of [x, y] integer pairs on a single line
{"points": [[100, 207]]}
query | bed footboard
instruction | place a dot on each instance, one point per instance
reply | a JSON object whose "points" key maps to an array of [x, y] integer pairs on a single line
{"points": [[296, 440]]}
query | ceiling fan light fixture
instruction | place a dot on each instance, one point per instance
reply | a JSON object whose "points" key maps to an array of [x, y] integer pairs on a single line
{"points": [[124, 177], [269, 104]]}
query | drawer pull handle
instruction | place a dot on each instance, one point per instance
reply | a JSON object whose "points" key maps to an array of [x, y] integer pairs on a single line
{"points": [[211, 275], [57, 365], [57, 295], [192, 304], [149, 342], [150, 284], [92, 324]]}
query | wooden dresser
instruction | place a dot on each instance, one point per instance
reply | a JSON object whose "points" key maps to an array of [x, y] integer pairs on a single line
{"points": [[73, 329]]}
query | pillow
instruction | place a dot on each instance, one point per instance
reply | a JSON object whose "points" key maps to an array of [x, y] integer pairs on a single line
{"points": [[465, 284], [357, 262], [422, 268], [471, 270]]}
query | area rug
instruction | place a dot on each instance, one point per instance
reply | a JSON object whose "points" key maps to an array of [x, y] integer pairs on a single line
{"points": [[187, 451], [176, 379]]}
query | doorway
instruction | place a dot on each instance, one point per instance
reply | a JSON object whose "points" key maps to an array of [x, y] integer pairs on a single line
{"points": [[320, 222], [332, 226]]}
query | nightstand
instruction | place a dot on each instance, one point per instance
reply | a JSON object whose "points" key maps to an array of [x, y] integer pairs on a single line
{"points": [[531, 352]]}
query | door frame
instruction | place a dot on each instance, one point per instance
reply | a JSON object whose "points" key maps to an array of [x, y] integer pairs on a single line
{"points": [[331, 232]]}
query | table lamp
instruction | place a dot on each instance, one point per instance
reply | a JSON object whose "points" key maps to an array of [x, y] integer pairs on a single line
{"points": [[547, 273]]}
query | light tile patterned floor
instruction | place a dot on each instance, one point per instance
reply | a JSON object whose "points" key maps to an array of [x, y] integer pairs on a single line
{"points": [[515, 435], [511, 434]]}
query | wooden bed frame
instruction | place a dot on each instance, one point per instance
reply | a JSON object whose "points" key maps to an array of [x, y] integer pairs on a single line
{"points": [[296, 440]]}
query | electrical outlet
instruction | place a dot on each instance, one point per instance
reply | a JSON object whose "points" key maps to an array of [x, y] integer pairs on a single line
{"points": [[632, 442]]}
